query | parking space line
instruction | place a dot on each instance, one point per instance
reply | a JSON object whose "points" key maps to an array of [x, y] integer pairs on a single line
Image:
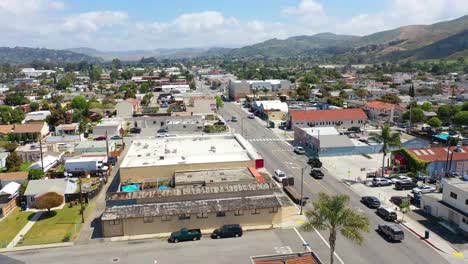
{"points": [[328, 245]]}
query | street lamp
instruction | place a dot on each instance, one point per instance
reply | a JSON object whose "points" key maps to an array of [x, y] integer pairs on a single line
{"points": [[302, 188]]}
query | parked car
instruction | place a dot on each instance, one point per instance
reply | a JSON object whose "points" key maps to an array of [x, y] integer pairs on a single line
{"points": [[233, 119], [251, 116], [381, 182], [227, 231], [101, 138], [185, 234], [135, 130], [355, 129], [398, 200], [401, 178], [427, 179], [424, 189], [316, 173], [405, 185], [279, 176], [314, 162], [393, 232], [116, 137], [371, 201], [163, 130], [387, 213], [299, 150]]}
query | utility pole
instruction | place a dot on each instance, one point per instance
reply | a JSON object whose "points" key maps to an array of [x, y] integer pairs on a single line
{"points": [[81, 200], [40, 149], [107, 148], [302, 189]]}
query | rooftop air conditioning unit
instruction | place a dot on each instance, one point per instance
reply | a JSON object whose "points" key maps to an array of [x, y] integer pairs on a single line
{"points": [[161, 157]]}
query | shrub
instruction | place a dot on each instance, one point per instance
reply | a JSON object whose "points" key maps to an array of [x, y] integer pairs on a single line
{"points": [[67, 237], [49, 200]]}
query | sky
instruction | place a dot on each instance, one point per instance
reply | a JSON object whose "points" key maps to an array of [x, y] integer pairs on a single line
{"points": [[150, 24]]}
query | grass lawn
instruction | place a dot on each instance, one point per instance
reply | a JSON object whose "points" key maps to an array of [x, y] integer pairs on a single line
{"points": [[53, 229], [11, 225]]}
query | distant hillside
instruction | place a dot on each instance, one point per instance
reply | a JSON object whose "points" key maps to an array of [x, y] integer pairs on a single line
{"points": [[294, 46], [18, 55]]}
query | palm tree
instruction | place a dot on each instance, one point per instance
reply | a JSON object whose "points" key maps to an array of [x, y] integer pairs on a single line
{"points": [[387, 139], [265, 90], [255, 92], [333, 213]]}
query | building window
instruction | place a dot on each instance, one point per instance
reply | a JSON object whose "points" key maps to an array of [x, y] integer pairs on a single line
{"points": [[148, 219], [220, 214], [115, 222], [202, 215], [466, 201], [256, 211], [274, 210], [166, 218], [352, 121], [239, 212], [184, 217], [453, 195]]}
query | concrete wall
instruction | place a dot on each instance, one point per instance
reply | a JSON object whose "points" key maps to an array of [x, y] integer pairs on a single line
{"points": [[433, 207], [140, 225], [462, 197], [151, 173]]}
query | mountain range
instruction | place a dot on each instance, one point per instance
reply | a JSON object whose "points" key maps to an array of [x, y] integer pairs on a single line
{"points": [[448, 39]]}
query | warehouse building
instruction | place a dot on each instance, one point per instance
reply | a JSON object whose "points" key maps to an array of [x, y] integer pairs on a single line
{"points": [[157, 160]]}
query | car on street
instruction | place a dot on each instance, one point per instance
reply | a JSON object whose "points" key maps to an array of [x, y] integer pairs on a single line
{"points": [[279, 176], [405, 185], [398, 200], [393, 232], [185, 234], [387, 213], [400, 178], [233, 119], [316, 173], [163, 130], [314, 162], [251, 116], [370, 201], [299, 150], [135, 130], [227, 231], [381, 182], [116, 137], [101, 138], [424, 189]]}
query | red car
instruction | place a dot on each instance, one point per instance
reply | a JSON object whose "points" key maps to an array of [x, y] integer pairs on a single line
{"points": [[100, 138]]}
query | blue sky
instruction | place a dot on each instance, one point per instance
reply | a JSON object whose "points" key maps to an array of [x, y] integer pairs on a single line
{"points": [[145, 24]]}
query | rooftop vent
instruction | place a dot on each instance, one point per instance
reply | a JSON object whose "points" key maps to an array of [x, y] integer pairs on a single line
{"points": [[161, 157]]}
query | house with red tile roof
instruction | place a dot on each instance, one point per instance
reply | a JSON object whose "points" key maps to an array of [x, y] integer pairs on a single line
{"points": [[384, 112], [436, 158], [339, 118]]}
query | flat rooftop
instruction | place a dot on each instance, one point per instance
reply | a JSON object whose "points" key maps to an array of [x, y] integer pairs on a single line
{"points": [[188, 150], [213, 176]]}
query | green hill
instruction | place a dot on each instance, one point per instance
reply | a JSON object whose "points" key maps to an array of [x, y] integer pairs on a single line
{"points": [[18, 55]]}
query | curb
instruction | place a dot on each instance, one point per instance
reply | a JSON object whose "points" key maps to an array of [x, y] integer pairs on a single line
{"points": [[422, 238], [36, 247]]}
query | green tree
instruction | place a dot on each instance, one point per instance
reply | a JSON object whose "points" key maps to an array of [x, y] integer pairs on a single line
{"points": [[64, 83], [387, 139], [434, 122], [193, 85], [114, 74], [404, 209], [13, 162], [59, 116], [390, 98], [417, 115], [129, 94], [45, 105], [464, 106], [446, 112], [79, 102], [219, 102], [427, 106], [95, 72], [116, 63], [332, 213], [35, 174], [16, 98], [17, 115], [144, 88], [127, 74], [361, 93], [34, 106], [461, 118], [335, 100]]}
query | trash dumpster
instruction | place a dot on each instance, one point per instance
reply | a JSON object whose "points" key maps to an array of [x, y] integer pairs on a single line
{"points": [[426, 234]]}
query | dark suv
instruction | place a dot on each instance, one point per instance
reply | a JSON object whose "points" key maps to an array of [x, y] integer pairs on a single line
{"points": [[387, 214], [227, 231], [405, 185], [314, 162]]}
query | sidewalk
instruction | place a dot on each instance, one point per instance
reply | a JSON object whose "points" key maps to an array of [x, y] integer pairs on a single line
{"points": [[25, 230]]}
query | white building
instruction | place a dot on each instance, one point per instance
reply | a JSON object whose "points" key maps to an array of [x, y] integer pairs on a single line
{"points": [[182, 88], [31, 72], [451, 205], [239, 89], [36, 116]]}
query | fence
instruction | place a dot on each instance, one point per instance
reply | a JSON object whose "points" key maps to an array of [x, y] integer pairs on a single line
{"points": [[9, 207]]}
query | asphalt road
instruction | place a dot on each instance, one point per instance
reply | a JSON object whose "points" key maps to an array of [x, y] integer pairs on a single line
{"points": [[279, 155]]}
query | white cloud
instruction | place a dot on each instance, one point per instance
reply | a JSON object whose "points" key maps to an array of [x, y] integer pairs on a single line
{"points": [[93, 21], [28, 7], [308, 12]]}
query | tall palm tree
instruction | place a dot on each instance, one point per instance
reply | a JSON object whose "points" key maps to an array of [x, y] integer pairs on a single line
{"points": [[255, 92], [387, 139], [333, 213], [265, 90]]}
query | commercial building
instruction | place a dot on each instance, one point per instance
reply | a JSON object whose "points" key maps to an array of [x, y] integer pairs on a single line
{"points": [[109, 126], [451, 206], [181, 88], [272, 110], [339, 118], [158, 159], [191, 123], [93, 146], [240, 89], [31, 72]]}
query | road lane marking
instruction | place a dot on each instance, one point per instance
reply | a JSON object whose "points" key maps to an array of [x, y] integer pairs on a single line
{"points": [[303, 240], [328, 245]]}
